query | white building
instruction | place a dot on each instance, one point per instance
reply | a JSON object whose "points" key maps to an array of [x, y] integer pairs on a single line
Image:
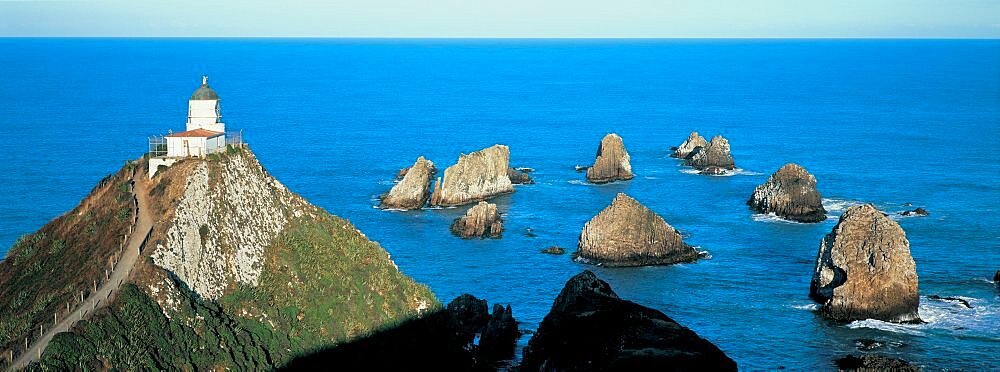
{"points": [[205, 132]]}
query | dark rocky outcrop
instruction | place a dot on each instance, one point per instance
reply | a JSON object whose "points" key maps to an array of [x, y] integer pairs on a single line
{"points": [[554, 250], [590, 328], [715, 154], [500, 334], [864, 270], [471, 314], [612, 162], [873, 363], [688, 147], [955, 300], [789, 193], [401, 174], [480, 221], [519, 177], [996, 277], [413, 190], [475, 177], [626, 233], [580, 168], [920, 212], [443, 340]]}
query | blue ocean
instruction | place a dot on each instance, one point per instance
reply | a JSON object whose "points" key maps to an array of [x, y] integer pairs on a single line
{"points": [[887, 122]]}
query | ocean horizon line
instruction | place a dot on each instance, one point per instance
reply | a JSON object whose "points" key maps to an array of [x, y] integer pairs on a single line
{"points": [[834, 38]]}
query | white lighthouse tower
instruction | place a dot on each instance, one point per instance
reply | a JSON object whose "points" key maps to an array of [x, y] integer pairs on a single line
{"points": [[204, 110]]}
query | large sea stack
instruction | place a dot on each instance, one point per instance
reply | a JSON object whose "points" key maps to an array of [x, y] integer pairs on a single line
{"points": [[475, 177], [612, 162], [864, 270], [714, 155], [414, 189], [692, 143], [480, 221], [626, 233], [789, 193], [590, 328]]}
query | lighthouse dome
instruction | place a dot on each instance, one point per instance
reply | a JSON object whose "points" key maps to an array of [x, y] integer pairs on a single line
{"points": [[204, 92]]}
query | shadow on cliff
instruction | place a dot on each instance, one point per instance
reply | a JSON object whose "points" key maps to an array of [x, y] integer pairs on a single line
{"points": [[440, 340]]}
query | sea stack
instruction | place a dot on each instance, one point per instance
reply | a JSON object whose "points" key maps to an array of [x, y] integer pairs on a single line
{"points": [[692, 143], [413, 190], [789, 193], [626, 233], [480, 221], [714, 155], [864, 270], [612, 162], [519, 177], [590, 328], [475, 177]]}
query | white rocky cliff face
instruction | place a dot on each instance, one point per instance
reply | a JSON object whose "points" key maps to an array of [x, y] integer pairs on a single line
{"points": [[475, 177], [230, 211]]}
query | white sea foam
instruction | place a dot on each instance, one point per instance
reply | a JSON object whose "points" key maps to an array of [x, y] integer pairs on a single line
{"points": [[387, 182], [772, 218], [910, 329], [578, 182], [728, 173], [839, 205], [943, 316], [651, 178], [810, 307]]}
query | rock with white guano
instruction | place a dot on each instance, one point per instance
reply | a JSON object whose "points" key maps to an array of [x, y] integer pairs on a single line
{"points": [[789, 193], [693, 142], [864, 270], [413, 190], [477, 176], [626, 233], [715, 154], [612, 162]]}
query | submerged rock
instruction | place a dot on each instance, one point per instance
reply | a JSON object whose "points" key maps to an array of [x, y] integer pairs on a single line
{"points": [[715, 154], [996, 277], [864, 270], [480, 221], [500, 335], [713, 171], [916, 212], [626, 233], [580, 168], [612, 162], [518, 177], [590, 328], [789, 193], [413, 190], [687, 148], [874, 363], [476, 176], [554, 250], [956, 300]]}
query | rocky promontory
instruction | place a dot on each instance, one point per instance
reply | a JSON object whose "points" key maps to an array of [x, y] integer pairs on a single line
{"points": [[626, 233], [864, 270], [480, 221], [714, 154], [612, 162], [476, 176], [688, 147], [590, 328], [413, 189], [789, 193]]}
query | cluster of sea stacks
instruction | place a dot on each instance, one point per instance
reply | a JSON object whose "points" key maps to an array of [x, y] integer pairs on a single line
{"points": [[710, 158], [863, 268]]}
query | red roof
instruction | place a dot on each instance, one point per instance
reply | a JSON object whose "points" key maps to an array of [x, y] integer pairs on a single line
{"points": [[200, 132]]}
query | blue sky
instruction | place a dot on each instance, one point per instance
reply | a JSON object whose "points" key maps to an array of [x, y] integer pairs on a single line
{"points": [[504, 18]]}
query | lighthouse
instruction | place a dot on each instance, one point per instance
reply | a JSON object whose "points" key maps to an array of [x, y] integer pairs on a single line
{"points": [[204, 133]]}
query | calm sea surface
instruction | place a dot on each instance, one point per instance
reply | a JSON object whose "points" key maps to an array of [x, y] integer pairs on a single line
{"points": [[886, 122]]}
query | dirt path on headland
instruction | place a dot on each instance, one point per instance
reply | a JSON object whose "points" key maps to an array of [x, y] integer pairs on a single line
{"points": [[106, 291]]}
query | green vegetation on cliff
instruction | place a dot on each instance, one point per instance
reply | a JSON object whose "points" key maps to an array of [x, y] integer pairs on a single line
{"points": [[46, 270], [314, 280]]}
